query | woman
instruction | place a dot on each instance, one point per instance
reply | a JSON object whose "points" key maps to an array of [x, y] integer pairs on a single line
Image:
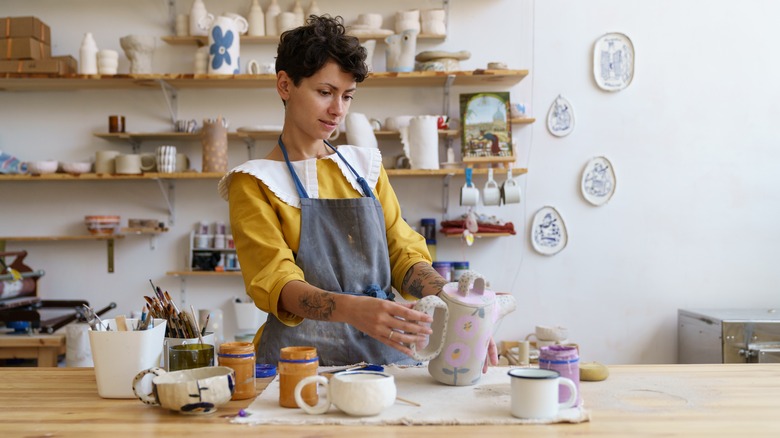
{"points": [[318, 231]]}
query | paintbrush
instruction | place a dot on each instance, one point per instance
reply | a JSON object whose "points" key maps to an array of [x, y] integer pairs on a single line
{"points": [[195, 321]]}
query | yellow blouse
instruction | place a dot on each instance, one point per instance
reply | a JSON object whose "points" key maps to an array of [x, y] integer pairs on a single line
{"points": [[267, 231]]}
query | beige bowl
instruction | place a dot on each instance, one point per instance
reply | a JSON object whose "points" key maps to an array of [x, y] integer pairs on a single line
{"points": [[42, 167]]}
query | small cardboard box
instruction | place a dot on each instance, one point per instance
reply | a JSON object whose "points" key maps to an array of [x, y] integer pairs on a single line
{"points": [[59, 65], [24, 48], [20, 27]]}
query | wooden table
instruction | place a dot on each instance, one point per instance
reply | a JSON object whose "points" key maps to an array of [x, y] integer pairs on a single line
{"points": [[44, 348], [734, 400]]}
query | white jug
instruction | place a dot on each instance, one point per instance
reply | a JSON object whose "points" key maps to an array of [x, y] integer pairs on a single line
{"points": [[400, 51], [197, 13], [225, 44]]}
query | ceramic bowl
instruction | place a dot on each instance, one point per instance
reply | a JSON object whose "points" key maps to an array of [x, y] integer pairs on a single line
{"points": [[42, 167], [101, 224], [77, 168]]}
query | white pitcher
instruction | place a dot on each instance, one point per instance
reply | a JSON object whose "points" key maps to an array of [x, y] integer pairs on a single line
{"points": [[400, 51], [225, 44]]}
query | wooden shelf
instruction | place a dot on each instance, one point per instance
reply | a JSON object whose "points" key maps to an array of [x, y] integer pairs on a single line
{"points": [[217, 175], [255, 135], [108, 177], [480, 235], [43, 82], [273, 39], [61, 238], [203, 273], [522, 120]]}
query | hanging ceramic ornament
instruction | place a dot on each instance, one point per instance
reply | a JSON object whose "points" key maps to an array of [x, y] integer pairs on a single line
{"points": [[548, 232], [560, 117], [613, 61], [598, 181]]}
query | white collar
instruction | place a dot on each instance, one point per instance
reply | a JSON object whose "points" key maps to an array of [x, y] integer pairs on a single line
{"points": [[367, 162]]}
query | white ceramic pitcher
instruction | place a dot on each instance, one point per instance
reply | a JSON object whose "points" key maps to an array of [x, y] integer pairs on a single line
{"points": [[224, 42]]}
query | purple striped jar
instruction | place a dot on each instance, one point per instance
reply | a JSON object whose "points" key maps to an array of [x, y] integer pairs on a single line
{"points": [[566, 360]]}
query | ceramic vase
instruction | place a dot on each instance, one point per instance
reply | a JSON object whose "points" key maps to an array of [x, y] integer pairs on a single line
{"points": [[400, 51], [314, 9], [285, 21], [270, 18], [198, 13], [407, 20], [88, 55], [434, 22], [138, 49], [225, 44], [297, 10], [256, 20]]}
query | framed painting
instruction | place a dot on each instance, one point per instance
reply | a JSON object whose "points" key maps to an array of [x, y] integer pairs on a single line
{"points": [[486, 132]]}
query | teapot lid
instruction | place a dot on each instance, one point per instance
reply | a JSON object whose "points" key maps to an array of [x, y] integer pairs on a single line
{"points": [[470, 290]]}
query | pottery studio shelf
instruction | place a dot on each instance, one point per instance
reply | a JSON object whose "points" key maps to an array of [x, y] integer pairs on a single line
{"points": [[274, 39], [109, 177], [135, 137], [41, 82]]}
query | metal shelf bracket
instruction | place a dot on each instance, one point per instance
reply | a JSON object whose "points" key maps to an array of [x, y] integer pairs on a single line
{"points": [[445, 195], [171, 99], [168, 197], [110, 251]]}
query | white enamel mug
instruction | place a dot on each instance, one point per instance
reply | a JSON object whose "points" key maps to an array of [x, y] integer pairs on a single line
{"points": [[491, 193], [357, 393], [469, 195], [534, 393], [510, 191]]}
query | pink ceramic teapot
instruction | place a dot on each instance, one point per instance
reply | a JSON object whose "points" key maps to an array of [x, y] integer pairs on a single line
{"points": [[464, 319]]}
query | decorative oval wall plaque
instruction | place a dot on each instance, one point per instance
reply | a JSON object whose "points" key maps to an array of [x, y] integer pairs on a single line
{"points": [[560, 117], [613, 61], [548, 232], [598, 181]]}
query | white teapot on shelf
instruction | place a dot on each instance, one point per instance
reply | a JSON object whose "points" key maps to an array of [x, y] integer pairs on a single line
{"points": [[464, 319], [224, 34]]}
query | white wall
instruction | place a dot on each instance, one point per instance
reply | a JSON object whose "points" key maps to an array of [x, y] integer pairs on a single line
{"points": [[690, 224]]}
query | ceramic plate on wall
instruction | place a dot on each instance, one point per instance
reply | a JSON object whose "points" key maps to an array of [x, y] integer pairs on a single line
{"points": [[613, 61], [560, 117], [548, 232], [598, 181]]}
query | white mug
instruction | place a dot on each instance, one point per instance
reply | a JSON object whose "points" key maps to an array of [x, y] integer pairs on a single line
{"points": [[491, 193], [128, 164], [469, 195], [105, 161], [534, 393], [510, 191], [357, 393]]}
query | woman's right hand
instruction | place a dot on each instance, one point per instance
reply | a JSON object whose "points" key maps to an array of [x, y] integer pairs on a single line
{"points": [[393, 324]]}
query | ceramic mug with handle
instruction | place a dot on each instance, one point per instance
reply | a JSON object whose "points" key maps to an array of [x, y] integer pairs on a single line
{"points": [[357, 393]]}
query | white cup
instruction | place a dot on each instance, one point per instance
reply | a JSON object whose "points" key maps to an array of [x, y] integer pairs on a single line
{"points": [[469, 195], [407, 20], [510, 191], [128, 164], [357, 393], [491, 193], [534, 393], [105, 161], [371, 20]]}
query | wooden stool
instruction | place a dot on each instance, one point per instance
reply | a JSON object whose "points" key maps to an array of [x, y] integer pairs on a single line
{"points": [[44, 348]]}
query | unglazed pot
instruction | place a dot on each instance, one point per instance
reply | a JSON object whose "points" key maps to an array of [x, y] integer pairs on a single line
{"points": [[464, 319]]}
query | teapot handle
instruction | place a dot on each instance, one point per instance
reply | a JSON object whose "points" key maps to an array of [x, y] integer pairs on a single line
{"points": [[432, 305]]}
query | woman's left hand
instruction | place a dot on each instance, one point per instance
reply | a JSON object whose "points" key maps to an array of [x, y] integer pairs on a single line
{"points": [[492, 356]]}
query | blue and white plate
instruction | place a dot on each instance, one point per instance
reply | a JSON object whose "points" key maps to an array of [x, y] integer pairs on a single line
{"points": [[598, 181], [613, 61], [548, 231], [560, 117]]}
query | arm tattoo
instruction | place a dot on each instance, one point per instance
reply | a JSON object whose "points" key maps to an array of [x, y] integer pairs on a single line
{"points": [[318, 305], [422, 277]]}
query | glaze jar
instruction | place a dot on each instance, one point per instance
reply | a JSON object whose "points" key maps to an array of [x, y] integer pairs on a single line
{"points": [[240, 356], [295, 364], [565, 360]]}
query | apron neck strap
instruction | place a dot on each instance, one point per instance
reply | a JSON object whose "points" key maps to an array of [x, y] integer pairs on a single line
{"points": [[299, 186]]}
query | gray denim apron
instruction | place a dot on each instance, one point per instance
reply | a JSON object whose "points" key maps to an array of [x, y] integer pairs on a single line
{"points": [[343, 249]]}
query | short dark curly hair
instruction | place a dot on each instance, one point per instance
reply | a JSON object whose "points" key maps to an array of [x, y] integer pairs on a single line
{"points": [[305, 50]]}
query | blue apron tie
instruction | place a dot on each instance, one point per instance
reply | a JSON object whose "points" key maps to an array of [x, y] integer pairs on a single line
{"points": [[299, 186]]}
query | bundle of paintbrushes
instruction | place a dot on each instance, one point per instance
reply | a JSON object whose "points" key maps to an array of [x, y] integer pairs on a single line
{"points": [[180, 324]]}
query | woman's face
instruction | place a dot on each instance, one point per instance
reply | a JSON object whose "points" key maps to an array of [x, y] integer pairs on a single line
{"points": [[317, 106]]}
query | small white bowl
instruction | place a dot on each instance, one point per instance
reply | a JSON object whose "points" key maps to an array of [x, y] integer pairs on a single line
{"points": [[77, 168], [42, 167]]}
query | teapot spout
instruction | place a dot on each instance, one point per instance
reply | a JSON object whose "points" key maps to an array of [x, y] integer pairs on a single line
{"points": [[506, 304]]}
